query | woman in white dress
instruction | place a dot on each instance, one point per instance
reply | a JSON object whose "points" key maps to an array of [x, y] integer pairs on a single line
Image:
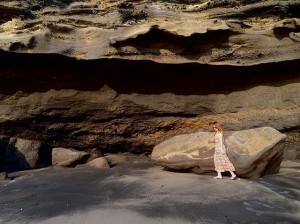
{"points": [[221, 160]]}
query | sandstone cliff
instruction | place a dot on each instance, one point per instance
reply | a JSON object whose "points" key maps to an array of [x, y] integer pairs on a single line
{"points": [[235, 32], [126, 75]]}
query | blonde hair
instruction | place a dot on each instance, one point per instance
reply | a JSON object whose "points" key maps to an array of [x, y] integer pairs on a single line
{"points": [[218, 126]]}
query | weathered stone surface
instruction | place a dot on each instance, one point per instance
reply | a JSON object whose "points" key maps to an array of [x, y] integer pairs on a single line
{"points": [[253, 152], [107, 120], [215, 32], [62, 157], [23, 154], [167, 68], [292, 146], [99, 163]]}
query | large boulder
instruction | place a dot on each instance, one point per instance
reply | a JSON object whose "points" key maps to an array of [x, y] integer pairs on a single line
{"points": [[62, 157], [253, 152], [21, 154]]}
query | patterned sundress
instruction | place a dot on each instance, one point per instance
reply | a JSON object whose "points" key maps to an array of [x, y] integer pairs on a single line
{"points": [[221, 160]]}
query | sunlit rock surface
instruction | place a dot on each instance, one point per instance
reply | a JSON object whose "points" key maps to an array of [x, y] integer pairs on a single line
{"points": [[214, 32], [253, 152], [100, 163], [62, 157]]}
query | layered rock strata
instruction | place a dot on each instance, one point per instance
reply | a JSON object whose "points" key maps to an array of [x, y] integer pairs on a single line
{"points": [[137, 105], [125, 76], [208, 32]]}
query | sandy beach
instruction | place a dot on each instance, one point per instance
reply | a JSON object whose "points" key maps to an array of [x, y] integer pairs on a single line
{"points": [[144, 193]]}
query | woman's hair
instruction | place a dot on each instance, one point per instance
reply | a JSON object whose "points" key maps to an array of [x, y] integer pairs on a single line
{"points": [[217, 125]]}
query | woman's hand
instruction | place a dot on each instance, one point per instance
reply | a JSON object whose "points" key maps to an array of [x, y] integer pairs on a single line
{"points": [[211, 141]]}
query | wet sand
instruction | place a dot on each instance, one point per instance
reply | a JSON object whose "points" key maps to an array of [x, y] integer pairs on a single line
{"points": [[143, 193]]}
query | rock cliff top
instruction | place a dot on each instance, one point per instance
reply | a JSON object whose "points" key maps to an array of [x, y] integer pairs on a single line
{"points": [[228, 32]]}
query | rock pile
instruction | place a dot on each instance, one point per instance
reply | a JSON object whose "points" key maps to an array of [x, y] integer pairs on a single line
{"points": [[21, 154]]}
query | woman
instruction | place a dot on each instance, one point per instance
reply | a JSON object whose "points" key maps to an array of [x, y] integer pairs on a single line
{"points": [[221, 159]]}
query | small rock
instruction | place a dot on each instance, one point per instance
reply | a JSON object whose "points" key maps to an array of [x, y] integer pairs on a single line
{"points": [[62, 157], [100, 162], [3, 176]]}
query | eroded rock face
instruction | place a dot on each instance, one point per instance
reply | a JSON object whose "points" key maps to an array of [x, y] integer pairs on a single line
{"points": [[215, 32], [117, 106], [62, 157], [107, 120], [292, 148], [152, 70], [253, 152]]}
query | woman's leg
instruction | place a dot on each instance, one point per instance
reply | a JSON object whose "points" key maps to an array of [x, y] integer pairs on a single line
{"points": [[233, 175], [219, 176]]}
